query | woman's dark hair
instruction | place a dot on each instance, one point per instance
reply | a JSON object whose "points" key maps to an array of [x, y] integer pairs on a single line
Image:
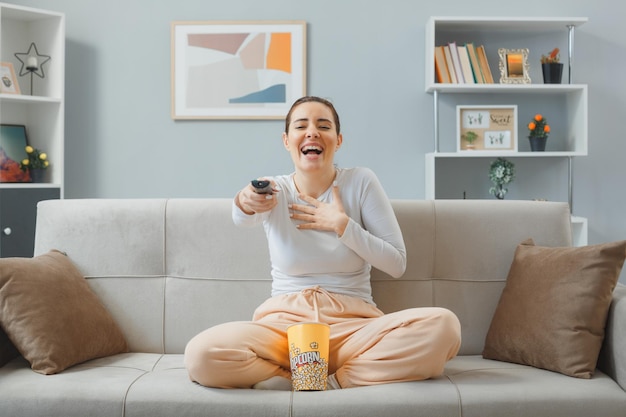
{"points": [[308, 99]]}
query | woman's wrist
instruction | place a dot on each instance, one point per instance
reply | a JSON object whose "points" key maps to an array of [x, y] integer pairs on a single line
{"points": [[341, 228], [241, 206]]}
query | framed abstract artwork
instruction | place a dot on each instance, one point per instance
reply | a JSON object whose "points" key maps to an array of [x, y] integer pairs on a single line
{"points": [[13, 141], [237, 70]]}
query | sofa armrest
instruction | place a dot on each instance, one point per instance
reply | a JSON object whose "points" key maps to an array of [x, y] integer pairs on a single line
{"points": [[612, 360]]}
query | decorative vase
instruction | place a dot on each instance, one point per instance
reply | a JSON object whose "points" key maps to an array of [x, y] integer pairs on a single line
{"points": [[537, 144], [37, 175], [499, 192], [552, 73]]}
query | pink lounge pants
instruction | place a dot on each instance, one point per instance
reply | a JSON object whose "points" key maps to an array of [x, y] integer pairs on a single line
{"points": [[367, 347]]}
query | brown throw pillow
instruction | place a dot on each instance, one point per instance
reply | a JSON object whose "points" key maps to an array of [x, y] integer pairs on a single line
{"points": [[51, 314], [553, 309]]}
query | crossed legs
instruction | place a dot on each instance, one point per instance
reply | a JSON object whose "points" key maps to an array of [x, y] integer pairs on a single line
{"points": [[367, 347]]}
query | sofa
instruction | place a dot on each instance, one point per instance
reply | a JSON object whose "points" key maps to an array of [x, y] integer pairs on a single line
{"points": [[166, 269]]}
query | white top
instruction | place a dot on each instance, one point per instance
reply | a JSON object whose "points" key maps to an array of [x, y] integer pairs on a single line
{"points": [[306, 258]]}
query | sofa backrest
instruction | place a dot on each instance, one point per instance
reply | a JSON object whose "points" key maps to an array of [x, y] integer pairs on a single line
{"points": [[169, 268]]}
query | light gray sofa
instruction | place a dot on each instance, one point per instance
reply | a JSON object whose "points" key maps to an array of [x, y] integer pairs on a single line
{"points": [[168, 269]]}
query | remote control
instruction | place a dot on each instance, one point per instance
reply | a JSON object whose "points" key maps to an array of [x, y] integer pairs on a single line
{"points": [[262, 186]]}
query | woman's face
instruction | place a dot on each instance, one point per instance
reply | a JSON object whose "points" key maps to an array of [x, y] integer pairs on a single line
{"points": [[312, 138]]}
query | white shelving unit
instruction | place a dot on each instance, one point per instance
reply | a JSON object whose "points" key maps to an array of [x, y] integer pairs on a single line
{"points": [[41, 111], [568, 101]]}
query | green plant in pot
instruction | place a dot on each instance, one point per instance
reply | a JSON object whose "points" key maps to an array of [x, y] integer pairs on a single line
{"points": [[538, 129], [470, 137], [551, 67], [35, 164], [501, 173]]}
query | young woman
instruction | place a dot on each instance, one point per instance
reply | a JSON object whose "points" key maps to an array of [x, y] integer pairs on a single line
{"points": [[326, 227]]}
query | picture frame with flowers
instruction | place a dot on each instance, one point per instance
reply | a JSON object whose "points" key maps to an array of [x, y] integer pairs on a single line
{"points": [[20, 161]]}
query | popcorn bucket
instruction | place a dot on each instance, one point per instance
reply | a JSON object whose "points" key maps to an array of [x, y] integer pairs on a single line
{"points": [[308, 355]]}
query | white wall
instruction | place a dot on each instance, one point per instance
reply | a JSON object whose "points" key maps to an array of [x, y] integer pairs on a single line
{"points": [[368, 58]]}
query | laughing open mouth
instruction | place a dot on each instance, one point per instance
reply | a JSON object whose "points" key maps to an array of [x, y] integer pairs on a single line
{"points": [[311, 149]]}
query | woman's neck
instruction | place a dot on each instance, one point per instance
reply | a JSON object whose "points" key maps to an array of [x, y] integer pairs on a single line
{"points": [[314, 184]]}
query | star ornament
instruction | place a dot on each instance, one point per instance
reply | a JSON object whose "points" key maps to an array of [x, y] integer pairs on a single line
{"points": [[32, 62]]}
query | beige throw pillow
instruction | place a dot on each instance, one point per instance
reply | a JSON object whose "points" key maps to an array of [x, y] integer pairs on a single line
{"points": [[553, 309], [51, 314]]}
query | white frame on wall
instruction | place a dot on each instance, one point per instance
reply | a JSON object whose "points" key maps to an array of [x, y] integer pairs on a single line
{"points": [[498, 122], [237, 69]]}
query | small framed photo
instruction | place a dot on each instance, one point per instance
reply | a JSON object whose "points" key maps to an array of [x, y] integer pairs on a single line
{"points": [[514, 67], [8, 80], [13, 143], [237, 69], [487, 128]]}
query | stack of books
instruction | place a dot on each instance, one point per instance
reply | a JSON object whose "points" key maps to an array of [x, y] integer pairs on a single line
{"points": [[462, 64]]}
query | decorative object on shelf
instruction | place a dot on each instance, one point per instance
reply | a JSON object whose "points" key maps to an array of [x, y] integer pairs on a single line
{"points": [[8, 80], [538, 133], [13, 142], [35, 164], [514, 67], [501, 173], [551, 67], [32, 63], [470, 137], [494, 127], [37, 175], [237, 70]]}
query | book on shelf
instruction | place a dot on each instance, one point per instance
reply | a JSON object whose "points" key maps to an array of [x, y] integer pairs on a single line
{"points": [[456, 60], [446, 51], [466, 65], [484, 64], [476, 69], [441, 68]]}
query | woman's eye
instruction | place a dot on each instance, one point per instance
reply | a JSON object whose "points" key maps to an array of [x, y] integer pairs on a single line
{"points": [[324, 127]]}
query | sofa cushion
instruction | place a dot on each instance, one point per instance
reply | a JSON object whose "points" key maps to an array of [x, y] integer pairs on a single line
{"points": [[553, 309], [51, 314]]}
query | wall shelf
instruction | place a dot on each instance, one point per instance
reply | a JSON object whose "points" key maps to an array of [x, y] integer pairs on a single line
{"points": [[43, 115], [565, 103]]}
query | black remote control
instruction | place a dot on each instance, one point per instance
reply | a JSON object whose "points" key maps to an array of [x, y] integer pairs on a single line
{"points": [[262, 186]]}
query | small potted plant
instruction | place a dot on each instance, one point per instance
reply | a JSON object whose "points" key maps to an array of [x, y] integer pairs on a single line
{"points": [[35, 164], [552, 67], [501, 173], [538, 129], [470, 137]]}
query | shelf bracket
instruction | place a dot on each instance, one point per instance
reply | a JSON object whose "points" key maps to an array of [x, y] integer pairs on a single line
{"points": [[570, 51], [570, 183], [436, 120]]}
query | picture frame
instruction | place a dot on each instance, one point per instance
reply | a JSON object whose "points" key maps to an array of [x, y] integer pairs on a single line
{"points": [[514, 67], [236, 69], [13, 141], [8, 80], [494, 127]]}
